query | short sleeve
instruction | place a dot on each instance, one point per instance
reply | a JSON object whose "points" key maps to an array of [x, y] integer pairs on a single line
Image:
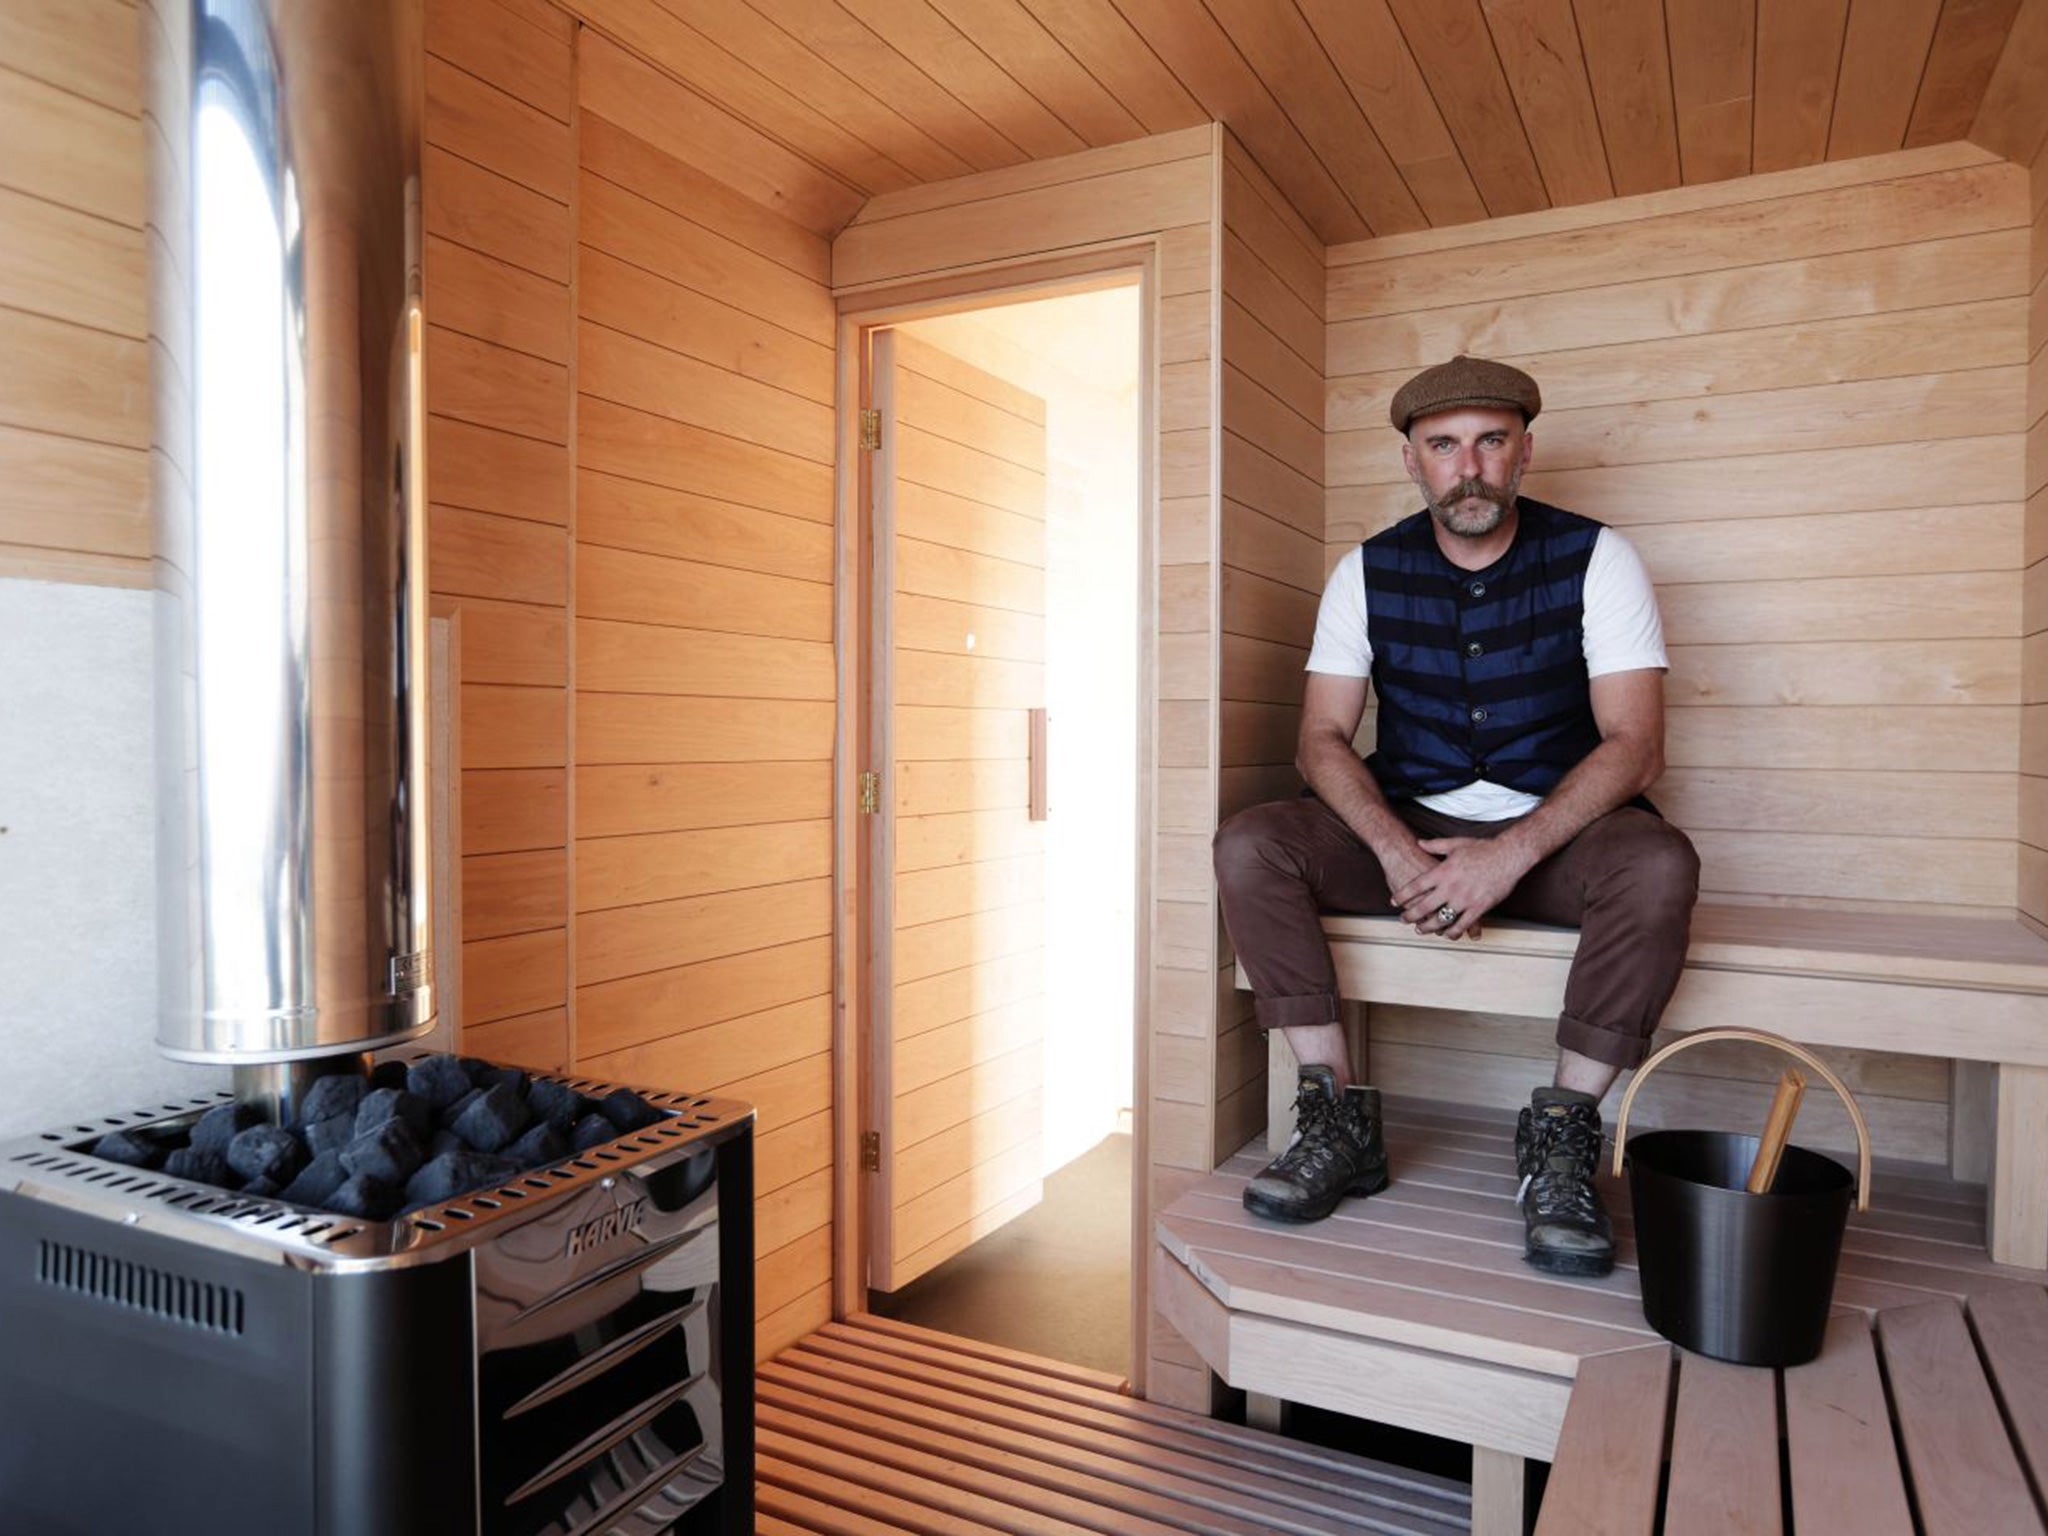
{"points": [[1341, 645], [1623, 632]]}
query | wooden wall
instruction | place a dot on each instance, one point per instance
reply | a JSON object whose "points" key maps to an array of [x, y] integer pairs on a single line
{"points": [[1163, 190], [1802, 397], [74, 298], [703, 658], [500, 253], [1270, 553], [630, 378], [2033, 829]]}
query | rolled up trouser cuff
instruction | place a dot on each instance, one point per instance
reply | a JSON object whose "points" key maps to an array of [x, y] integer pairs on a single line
{"points": [[1604, 1045], [1307, 1009]]}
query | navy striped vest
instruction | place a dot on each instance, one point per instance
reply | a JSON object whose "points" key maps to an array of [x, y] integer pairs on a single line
{"points": [[1480, 674]]}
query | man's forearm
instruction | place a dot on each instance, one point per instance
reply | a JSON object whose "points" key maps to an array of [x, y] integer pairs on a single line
{"points": [[1343, 783], [1608, 777]]}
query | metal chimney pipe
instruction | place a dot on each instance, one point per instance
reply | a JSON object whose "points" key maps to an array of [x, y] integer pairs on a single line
{"points": [[295, 857]]}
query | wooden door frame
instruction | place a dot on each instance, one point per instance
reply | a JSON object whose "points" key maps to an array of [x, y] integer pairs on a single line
{"points": [[1113, 264]]}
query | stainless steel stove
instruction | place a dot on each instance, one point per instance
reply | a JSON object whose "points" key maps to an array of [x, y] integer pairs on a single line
{"points": [[570, 1351]]}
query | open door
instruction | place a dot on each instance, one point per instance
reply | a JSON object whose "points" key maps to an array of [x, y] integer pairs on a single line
{"points": [[957, 844]]}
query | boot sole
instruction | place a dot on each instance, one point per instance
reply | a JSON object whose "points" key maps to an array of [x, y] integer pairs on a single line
{"points": [[1274, 1210], [1587, 1266]]}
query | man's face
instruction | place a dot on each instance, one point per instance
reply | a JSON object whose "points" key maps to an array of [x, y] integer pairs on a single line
{"points": [[1468, 464]]}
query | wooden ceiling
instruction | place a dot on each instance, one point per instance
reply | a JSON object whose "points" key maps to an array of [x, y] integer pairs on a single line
{"points": [[1374, 116]]}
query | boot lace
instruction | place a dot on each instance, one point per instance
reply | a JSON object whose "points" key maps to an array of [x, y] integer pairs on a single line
{"points": [[1315, 1124], [1566, 1152]]}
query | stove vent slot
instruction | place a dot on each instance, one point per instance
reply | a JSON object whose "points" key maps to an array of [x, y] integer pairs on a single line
{"points": [[200, 1303]]}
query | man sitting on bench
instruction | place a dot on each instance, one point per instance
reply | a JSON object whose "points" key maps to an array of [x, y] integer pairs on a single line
{"points": [[1519, 661]]}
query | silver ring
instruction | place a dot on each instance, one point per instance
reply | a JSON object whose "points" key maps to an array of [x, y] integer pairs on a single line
{"points": [[1447, 914]]}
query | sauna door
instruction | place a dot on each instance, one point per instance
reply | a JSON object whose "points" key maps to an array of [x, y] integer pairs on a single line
{"points": [[956, 857]]}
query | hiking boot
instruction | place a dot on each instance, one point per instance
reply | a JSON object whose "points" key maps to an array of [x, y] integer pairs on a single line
{"points": [[1557, 1149], [1336, 1151]]}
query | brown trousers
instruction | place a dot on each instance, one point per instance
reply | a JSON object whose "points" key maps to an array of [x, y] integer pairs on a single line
{"points": [[1627, 882]]}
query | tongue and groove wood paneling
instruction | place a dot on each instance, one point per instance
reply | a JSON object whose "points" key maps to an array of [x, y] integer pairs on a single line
{"points": [[2033, 797], [1271, 448], [496, 170], [631, 374], [703, 680], [1804, 398], [74, 314]]}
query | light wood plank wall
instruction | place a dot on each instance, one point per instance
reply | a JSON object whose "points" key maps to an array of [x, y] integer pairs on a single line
{"points": [[74, 296], [630, 376], [1803, 397], [701, 633], [495, 182], [1270, 553], [1164, 189], [2033, 830]]}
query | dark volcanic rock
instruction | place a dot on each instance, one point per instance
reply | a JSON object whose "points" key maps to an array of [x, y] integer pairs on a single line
{"points": [[439, 1080], [557, 1103], [221, 1125], [542, 1144], [317, 1183], [267, 1152], [456, 1173], [493, 1119], [127, 1147], [199, 1165], [396, 1104], [338, 1093], [367, 1198], [331, 1134], [627, 1110], [388, 1155]]}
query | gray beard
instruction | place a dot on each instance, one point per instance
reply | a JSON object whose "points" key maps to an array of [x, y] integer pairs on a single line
{"points": [[1453, 515], [1469, 522]]}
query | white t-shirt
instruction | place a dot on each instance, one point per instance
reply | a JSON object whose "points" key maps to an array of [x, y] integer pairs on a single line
{"points": [[1622, 634]]}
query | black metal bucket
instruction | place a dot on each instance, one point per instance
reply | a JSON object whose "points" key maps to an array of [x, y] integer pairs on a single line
{"points": [[1740, 1277]]}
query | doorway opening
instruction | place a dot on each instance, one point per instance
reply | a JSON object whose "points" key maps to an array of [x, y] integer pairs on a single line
{"points": [[1007, 500]]}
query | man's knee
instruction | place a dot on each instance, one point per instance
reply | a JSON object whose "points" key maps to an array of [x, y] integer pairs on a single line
{"points": [[1244, 842], [1663, 867], [1254, 844]]}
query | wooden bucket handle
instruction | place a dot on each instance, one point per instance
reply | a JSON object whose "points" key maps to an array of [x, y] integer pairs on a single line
{"points": [[1755, 1037]]}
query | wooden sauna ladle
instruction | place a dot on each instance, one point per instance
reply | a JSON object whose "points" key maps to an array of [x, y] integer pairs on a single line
{"points": [[1770, 1147]]}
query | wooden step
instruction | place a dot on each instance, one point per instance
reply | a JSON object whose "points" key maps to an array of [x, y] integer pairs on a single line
{"points": [[874, 1426]]}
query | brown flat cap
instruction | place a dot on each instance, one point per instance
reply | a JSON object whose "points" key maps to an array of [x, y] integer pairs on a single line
{"points": [[1466, 381]]}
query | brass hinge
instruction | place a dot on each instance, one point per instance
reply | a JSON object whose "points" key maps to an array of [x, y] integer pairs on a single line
{"points": [[871, 1151], [871, 430], [870, 793]]}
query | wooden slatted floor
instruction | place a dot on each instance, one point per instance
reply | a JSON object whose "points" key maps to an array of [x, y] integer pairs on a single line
{"points": [[873, 1426]]}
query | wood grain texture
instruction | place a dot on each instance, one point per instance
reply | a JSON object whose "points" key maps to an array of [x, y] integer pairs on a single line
{"points": [[1965, 1474]]}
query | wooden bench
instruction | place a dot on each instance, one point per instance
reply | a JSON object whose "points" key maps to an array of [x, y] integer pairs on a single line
{"points": [[1637, 1457], [1971, 989], [1414, 1307]]}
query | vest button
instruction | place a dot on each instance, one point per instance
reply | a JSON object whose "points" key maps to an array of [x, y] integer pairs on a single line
{"points": [[1477, 589], [1479, 770], [1479, 717], [1475, 650]]}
